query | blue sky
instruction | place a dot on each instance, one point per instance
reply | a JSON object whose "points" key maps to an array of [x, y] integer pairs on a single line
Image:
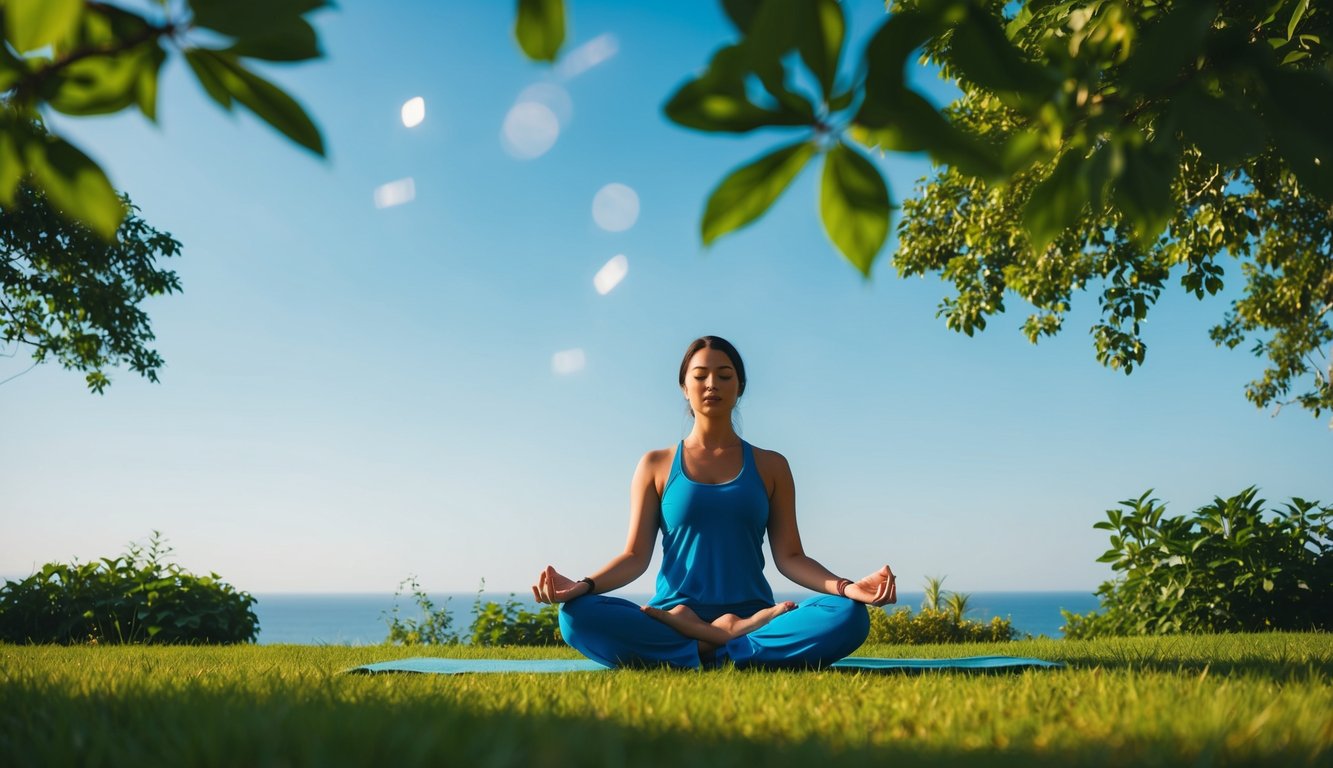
{"points": [[354, 394]]}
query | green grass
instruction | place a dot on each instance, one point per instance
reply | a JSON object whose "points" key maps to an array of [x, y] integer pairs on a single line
{"points": [[1240, 699]]}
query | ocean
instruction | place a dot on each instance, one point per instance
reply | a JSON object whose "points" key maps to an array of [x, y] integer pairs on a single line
{"points": [[359, 619]]}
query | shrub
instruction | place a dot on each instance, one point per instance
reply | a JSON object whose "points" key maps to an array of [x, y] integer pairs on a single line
{"points": [[136, 597], [434, 626], [492, 623], [511, 624], [935, 624], [1227, 567]]}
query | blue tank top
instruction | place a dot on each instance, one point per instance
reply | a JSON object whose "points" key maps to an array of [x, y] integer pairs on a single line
{"points": [[712, 542]]}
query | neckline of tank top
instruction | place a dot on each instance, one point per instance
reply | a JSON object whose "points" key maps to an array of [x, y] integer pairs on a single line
{"points": [[745, 462]]}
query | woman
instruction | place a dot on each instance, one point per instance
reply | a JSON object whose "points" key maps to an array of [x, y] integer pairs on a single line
{"points": [[714, 496]]}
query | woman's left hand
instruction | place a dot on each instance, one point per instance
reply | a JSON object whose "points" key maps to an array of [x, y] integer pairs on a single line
{"points": [[879, 588]]}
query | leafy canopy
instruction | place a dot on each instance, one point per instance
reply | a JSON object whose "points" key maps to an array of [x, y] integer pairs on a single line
{"points": [[1109, 145], [79, 57], [74, 297]]}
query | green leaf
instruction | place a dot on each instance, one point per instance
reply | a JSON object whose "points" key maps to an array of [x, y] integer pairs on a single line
{"points": [[1301, 8], [540, 28], [717, 101], [819, 36], [741, 12], [911, 124], [11, 164], [250, 18], [100, 85], [75, 184], [269, 102], [1222, 130], [293, 41], [983, 53], [1298, 111], [146, 89], [1057, 202], [1143, 191], [854, 205], [33, 24], [746, 193], [209, 73], [1168, 46]]}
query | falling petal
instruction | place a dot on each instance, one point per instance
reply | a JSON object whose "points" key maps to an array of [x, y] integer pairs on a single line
{"points": [[395, 193], [587, 56], [611, 273], [414, 111], [568, 361]]}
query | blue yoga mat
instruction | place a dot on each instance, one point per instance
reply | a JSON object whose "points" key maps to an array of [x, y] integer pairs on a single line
{"points": [[467, 666]]}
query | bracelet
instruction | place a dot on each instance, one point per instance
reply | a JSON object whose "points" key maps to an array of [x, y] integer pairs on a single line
{"points": [[592, 585], [842, 587]]}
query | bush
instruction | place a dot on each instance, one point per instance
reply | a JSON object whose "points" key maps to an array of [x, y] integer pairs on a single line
{"points": [[434, 628], [902, 627], [492, 623], [134, 598], [511, 624], [935, 624], [1227, 567]]}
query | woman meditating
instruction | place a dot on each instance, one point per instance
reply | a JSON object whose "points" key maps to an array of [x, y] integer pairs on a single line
{"points": [[714, 496]]}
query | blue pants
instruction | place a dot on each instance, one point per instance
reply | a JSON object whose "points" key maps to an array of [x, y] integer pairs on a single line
{"points": [[614, 632]]}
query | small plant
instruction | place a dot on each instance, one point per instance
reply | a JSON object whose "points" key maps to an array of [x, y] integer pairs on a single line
{"points": [[956, 605], [936, 624], [433, 628], [1227, 567], [493, 623], [930, 601], [512, 624], [137, 597]]}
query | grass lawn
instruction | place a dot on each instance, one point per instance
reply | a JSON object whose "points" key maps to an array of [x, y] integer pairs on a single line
{"points": [[1214, 700]]}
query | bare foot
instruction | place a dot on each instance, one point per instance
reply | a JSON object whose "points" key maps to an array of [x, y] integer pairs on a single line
{"points": [[737, 626], [688, 623], [726, 627]]}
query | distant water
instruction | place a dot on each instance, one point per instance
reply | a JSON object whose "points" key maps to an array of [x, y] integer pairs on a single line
{"points": [[358, 619]]}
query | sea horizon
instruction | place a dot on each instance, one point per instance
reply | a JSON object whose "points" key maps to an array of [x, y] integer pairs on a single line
{"points": [[359, 618]]}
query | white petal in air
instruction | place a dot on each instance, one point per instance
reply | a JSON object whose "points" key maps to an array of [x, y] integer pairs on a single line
{"points": [[587, 56], [395, 193], [611, 273], [530, 130], [568, 361], [615, 207], [414, 111]]}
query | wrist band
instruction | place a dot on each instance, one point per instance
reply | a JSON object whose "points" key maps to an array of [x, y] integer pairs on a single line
{"points": [[842, 587], [592, 585]]}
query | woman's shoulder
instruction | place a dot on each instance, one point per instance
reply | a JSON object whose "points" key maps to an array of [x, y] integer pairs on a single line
{"points": [[768, 460], [658, 458]]}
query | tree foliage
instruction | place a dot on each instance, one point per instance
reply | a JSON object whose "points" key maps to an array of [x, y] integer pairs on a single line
{"points": [[1117, 146], [1227, 567], [81, 57], [74, 297]]}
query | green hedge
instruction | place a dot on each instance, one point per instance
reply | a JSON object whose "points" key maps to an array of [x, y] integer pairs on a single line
{"points": [[1226, 567], [134, 598]]}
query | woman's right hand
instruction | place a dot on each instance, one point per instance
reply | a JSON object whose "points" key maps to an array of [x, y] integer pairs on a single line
{"points": [[552, 587]]}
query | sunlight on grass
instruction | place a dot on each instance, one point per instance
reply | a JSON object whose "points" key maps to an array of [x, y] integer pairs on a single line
{"points": [[1217, 699]]}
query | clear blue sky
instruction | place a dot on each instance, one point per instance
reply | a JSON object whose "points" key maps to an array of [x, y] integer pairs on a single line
{"points": [[354, 393]]}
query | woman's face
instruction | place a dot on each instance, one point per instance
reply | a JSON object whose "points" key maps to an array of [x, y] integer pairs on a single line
{"points": [[711, 384]]}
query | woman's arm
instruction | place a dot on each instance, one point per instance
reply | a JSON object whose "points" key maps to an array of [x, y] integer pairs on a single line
{"points": [[644, 513], [784, 540]]}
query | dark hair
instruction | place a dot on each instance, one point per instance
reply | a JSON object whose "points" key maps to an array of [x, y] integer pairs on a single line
{"points": [[723, 346]]}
